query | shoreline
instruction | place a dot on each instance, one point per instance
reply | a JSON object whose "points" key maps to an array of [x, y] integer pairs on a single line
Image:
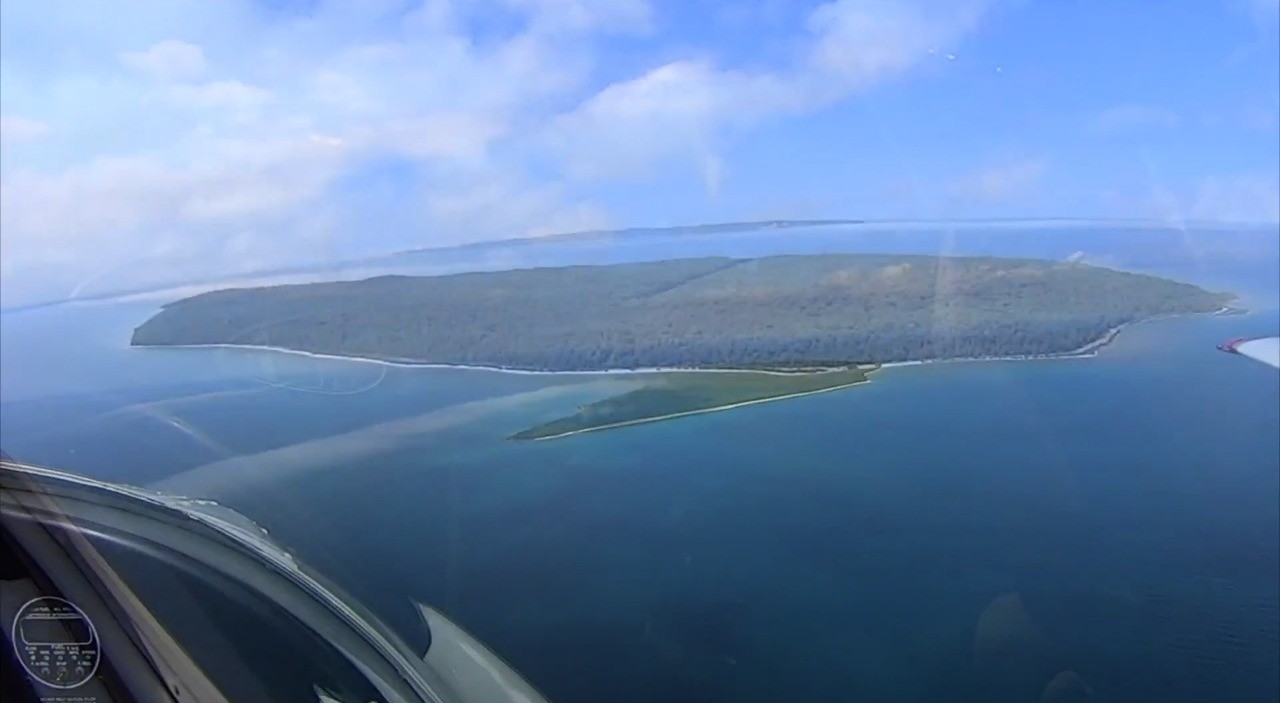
{"points": [[1088, 351], [1084, 352], [700, 411], [410, 364]]}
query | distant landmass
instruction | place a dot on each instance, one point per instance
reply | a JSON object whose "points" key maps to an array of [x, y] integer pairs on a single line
{"points": [[725, 332], [773, 312], [709, 228], [1232, 252]]}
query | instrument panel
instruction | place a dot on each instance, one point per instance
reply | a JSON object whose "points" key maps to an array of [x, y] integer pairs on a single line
{"points": [[56, 642]]}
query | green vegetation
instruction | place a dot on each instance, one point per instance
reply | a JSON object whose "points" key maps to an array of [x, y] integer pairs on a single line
{"points": [[674, 394], [773, 327], [781, 311]]}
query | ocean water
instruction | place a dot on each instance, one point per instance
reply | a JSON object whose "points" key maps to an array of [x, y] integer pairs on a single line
{"points": [[951, 532]]}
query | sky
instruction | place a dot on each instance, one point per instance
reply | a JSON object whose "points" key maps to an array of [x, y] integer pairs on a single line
{"points": [[178, 139]]}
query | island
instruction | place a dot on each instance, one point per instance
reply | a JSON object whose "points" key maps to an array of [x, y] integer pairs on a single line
{"points": [[722, 331], [675, 395]]}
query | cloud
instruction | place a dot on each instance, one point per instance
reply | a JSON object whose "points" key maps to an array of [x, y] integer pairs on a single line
{"points": [[1252, 197], [999, 182], [1239, 198], [863, 42], [584, 15], [239, 148], [683, 110], [168, 60], [231, 95], [679, 109], [157, 211], [1132, 118], [490, 205], [198, 138], [14, 128]]}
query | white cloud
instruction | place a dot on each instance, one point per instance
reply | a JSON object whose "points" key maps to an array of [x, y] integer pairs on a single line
{"points": [[457, 137], [1251, 197], [14, 128], [490, 203], [196, 138], [234, 96], [1240, 198], [678, 109], [999, 182], [683, 109], [586, 15], [144, 206], [862, 42], [173, 165], [1132, 118], [168, 60]]}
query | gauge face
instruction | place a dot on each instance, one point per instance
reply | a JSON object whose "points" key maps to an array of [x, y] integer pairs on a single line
{"points": [[56, 642]]}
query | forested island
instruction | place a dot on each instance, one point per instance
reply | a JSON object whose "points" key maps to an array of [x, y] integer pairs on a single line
{"points": [[802, 313], [674, 395]]}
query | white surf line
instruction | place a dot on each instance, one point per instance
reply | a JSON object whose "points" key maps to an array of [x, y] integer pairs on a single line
{"points": [[1087, 351], [984, 359], [408, 363], [1082, 352], [639, 421]]}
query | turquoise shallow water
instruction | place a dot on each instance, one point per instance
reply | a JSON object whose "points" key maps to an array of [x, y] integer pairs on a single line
{"points": [[843, 546]]}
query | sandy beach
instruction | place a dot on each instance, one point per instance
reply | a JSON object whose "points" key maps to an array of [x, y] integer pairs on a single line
{"points": [[700, 411], [1087, 351], [408, 363], [1083, 352]]}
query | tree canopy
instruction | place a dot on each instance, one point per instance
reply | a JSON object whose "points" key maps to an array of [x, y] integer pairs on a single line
{"points": [[806, 310]]}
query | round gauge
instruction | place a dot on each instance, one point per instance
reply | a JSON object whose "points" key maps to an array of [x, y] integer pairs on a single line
{"points": [[56, 642]]}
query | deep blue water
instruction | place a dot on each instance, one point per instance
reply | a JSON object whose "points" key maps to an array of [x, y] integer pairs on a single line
{"points": [[1116, 517]]}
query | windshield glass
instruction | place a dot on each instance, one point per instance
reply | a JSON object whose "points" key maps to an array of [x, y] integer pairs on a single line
{"points": [[763, 351]]}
